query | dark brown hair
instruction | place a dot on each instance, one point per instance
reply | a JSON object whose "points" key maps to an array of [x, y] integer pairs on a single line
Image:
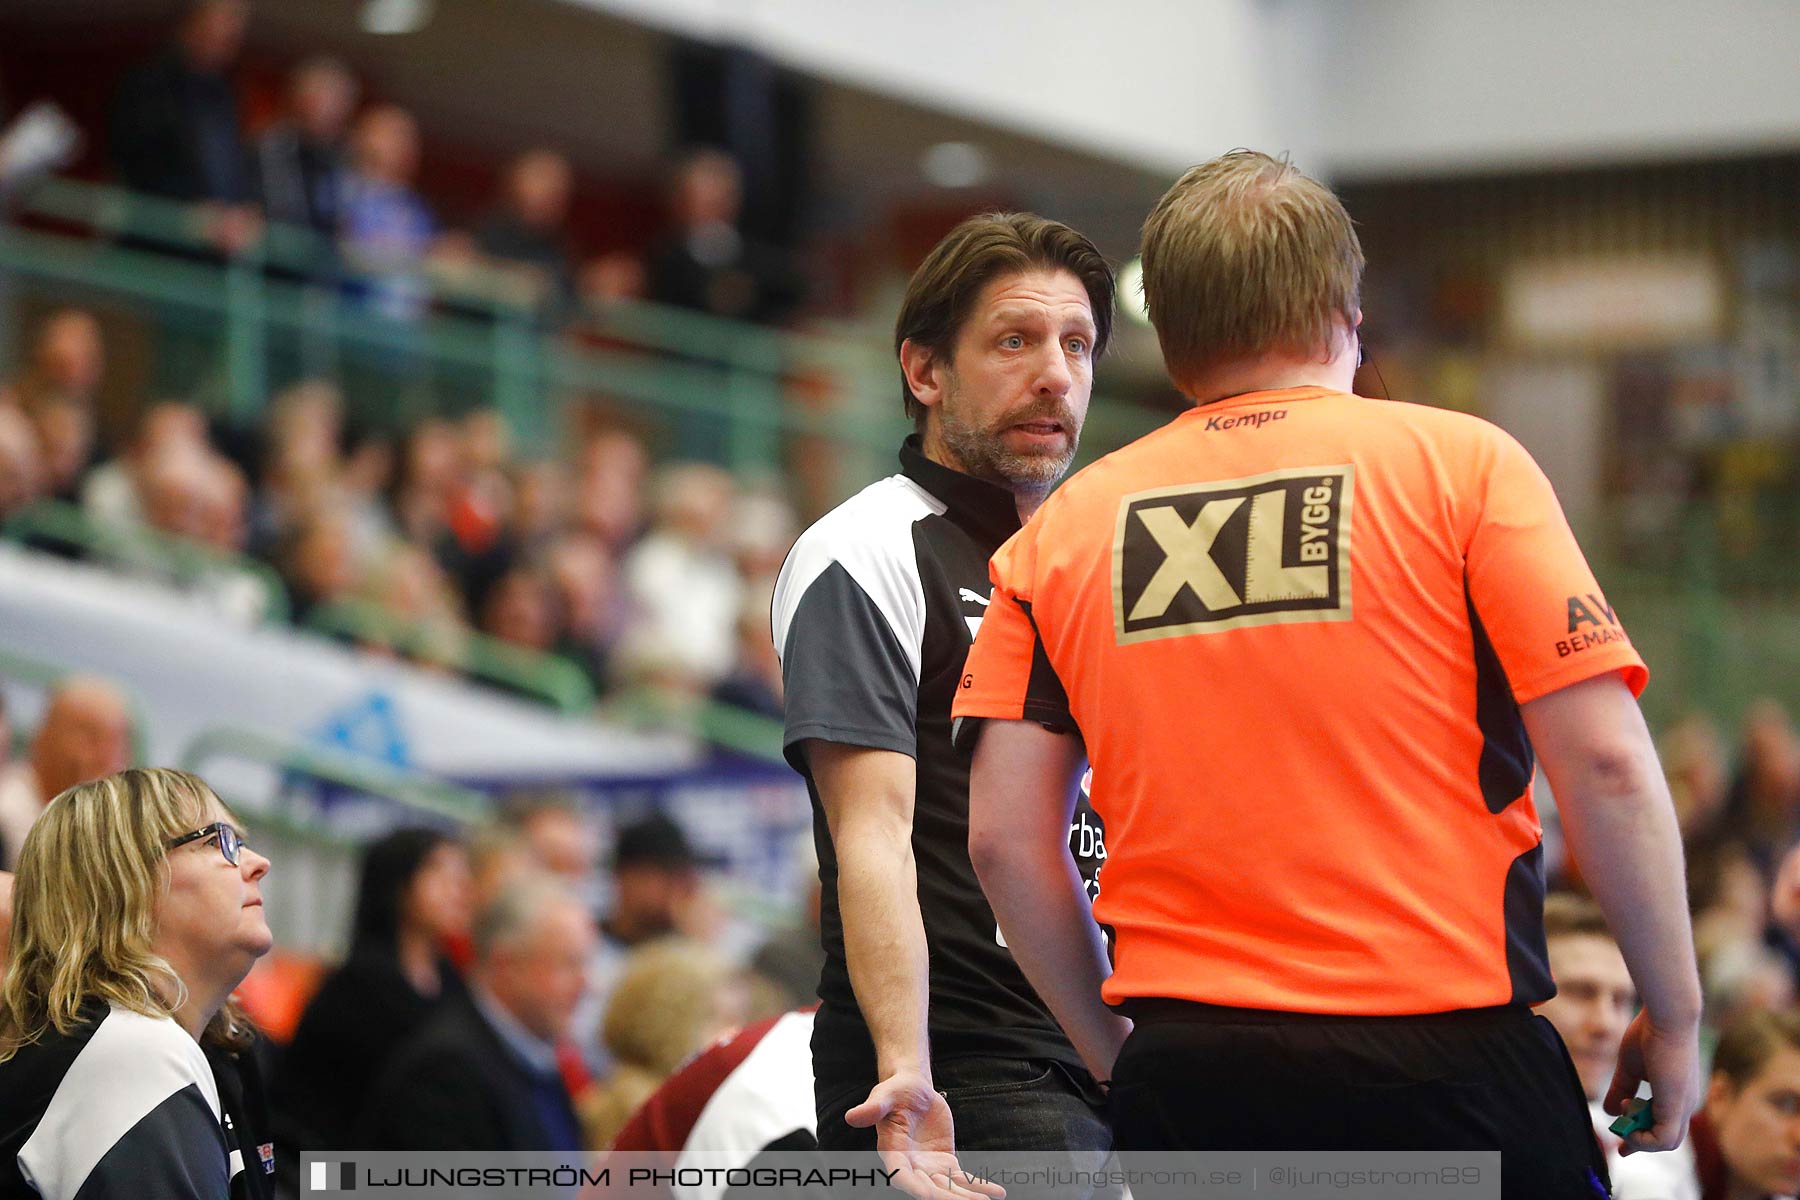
{"points": [[1569, 915], [1748, 1044], [1244, 256], [973, 255]]}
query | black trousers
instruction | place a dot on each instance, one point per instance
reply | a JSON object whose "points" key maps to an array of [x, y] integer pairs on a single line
{"points": [[1199, 1077]]}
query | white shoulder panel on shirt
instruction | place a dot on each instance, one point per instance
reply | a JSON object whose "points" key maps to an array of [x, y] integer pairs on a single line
{"points": [[870, 536], [768, 1096], [130, 1066]]}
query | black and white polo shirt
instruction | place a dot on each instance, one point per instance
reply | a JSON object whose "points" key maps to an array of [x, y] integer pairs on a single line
{"points": [[875, 611], [126, 1105]]}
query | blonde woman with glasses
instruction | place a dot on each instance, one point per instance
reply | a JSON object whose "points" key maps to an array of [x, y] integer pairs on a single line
{"points": [[137, 911]]}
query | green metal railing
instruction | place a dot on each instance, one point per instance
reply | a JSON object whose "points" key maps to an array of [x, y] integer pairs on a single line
{"points": [[420, 793], [167, 556], [551, 678], [285, 297], [281, 310], [737, 729]]}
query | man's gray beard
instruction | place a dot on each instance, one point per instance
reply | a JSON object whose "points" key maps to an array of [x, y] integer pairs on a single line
{"points": [[983, 454]]}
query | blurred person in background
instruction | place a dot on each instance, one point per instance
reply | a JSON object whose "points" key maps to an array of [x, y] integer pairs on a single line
{"points": [[556, 834], [387, 227], [197, 497], [484, 1073], [498, 858], [540, 502], [66, 364], [1594, 1003], [581, 569], [754, 681], [415, 898], [409, 585], [299, 160], [527, 233], [672, 999], [175, 131], [611, 472], [124, 1065], [85, 733], [300, 462], [1784, 903], [657, 885], [21, 462], [685, 590], [429, 478], [1762, 808], [1747, 1138], [66, 437], [705, 262], [318, 561], [112, 492], [58, 392], [787, 966], [657, 892], [475, 544], [1693, 758], [521, 609]]}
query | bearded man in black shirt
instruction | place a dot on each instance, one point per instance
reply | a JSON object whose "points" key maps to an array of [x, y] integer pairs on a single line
{"points": [[925, 1019]]}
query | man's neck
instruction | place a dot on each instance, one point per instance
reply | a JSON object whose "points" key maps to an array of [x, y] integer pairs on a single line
{"points": [[1272, 373]]}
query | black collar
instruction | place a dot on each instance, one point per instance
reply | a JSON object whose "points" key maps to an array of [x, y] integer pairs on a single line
{"points": [[986, 511]]}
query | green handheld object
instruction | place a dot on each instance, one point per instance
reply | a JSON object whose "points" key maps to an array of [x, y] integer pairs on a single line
{"points": [[1635, 1117]]}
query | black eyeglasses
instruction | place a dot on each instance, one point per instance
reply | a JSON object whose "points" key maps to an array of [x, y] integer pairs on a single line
{"points": [[230, 840]]}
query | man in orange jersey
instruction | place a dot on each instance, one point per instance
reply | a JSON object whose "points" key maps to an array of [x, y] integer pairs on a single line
{"points": [[1309, 643]]}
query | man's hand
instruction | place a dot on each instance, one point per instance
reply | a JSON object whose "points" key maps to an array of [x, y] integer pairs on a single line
{"points": [[1671, 1062], [914, 1136]]}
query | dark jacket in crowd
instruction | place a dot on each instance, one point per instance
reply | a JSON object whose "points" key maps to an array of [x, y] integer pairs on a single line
{"points": [[365, 1011], [175, 133], [298, 181], [456, 1086], [738, 278]]}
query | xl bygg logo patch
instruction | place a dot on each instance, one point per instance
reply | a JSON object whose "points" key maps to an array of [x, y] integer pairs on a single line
{"points": [[1258, 551]]}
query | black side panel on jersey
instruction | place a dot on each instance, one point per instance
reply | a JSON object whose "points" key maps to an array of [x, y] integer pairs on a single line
{"points": [[845, 673], [1527, 957], [1507, 762], [1046, 699]]}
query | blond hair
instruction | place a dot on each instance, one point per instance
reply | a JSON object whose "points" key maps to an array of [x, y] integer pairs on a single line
{"points": [[1246, 256], [662, 1012], [90, 874]]}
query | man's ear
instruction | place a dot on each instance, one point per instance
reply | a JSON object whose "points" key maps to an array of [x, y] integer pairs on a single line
{"points": [[923, 371]]}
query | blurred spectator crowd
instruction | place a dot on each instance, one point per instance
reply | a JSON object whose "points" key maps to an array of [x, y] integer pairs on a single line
{"points": [[349, 174], [419, 543]]}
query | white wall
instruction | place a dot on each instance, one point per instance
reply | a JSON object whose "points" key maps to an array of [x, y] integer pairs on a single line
{"points": [[1353, 87], [1160, 82], [1446, 84]]}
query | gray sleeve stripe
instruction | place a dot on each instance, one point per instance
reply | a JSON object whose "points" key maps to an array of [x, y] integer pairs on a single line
{"points": [[847, 677]]}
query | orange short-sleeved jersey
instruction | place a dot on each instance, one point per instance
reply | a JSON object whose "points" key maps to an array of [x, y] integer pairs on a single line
{"points": [[1294, 629]]}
